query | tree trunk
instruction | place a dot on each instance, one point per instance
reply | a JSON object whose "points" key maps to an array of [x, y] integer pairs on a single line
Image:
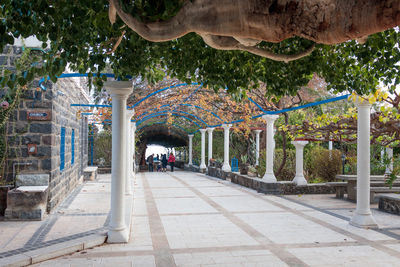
{"points": [[249, 21]]}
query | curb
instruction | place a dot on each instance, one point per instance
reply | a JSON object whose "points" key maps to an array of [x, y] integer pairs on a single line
{"points": [[54, 251]]}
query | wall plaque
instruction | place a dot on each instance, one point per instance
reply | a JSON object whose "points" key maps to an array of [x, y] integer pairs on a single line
{"points": [[39, 115]]}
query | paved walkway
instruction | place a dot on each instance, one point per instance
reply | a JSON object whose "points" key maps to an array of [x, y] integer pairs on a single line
{"points": [[189, 219], [80, 221]]}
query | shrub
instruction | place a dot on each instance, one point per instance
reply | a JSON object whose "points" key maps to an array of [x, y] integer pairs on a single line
{"points": [[324, 163], [289, 170], [102, 148]]}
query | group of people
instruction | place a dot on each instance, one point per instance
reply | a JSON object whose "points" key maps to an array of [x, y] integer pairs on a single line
{"points": [[161, 164]]}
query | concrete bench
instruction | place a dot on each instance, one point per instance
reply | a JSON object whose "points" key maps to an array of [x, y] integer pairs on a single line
{"points": [[28, 200], [340, 188], [390, 203], [377, 190], [90, 173]]}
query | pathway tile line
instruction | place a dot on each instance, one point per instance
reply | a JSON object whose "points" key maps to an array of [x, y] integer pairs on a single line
{"points": [[277, 250], [162, 255], [360, 239]]}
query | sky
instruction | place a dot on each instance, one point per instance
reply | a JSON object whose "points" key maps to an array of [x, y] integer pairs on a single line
{"points": [[156, 149]]}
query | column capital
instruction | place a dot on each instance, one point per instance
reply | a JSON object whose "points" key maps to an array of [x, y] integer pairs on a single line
{"points": [[226, 126], [209, 129], [190, 136], [119, 88], [361, 102], [299, 143], [257, 131], [133, 125], [130, 113], [203, 130], [270, 118]]}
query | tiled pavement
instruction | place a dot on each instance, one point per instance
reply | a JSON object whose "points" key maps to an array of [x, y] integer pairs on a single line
{"points": [[189, 219], [82, 215]]}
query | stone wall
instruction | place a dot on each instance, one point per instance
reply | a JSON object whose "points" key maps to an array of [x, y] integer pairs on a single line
{"points": [[42, 135], [279, 188], [390, 203]]}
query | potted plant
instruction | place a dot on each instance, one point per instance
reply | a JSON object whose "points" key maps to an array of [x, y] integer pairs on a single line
{"points": [[212, 162], [244, 166]]}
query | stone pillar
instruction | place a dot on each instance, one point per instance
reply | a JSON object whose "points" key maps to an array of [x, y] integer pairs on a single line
{"points": [[330, 145], [190, 149], [119, 91], [389, 153], [257, 146], [210, 143], [203, 149], [269, 175], [128, 153], [299, 178], [226, 167], [363, 216], [133, 148]]}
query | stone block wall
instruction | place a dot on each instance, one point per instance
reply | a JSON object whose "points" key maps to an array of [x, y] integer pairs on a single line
{"points": [[43, 136]]}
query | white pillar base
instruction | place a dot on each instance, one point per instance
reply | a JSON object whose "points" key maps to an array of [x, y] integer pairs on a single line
{"points": [[121, 236], [269, 178], [226, 168], [363, 221], [300, 180]]}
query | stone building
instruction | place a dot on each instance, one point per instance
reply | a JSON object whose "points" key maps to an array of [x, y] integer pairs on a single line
{"points": [[44, 134]]}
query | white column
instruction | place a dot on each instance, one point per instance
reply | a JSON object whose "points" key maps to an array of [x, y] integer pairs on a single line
{"points": [[226, 167], [382, 154], [190, 149], [299, 178], [128, 153], [210, 143], [362, 216], [269, 175], [330, 145], [203, 149], [257, 146], [119, 91], [133, 148], [389, 153]]}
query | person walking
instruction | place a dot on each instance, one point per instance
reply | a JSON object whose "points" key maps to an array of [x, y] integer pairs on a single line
{"points": [[164, 162], [150, 161], [171, 161]]}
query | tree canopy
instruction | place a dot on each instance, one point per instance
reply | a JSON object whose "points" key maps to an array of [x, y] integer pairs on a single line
{"points": [[79, 34]]}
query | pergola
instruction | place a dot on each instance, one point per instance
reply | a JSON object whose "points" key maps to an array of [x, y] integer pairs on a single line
{"points": [[123, 129]]}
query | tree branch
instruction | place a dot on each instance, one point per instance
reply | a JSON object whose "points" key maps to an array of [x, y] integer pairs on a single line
{"points": [[230, 43]]}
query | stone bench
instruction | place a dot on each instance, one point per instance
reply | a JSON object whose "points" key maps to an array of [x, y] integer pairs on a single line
{"points": [[28, 200], [390, 203], [340, 188], [377, 190], [90, 173]]}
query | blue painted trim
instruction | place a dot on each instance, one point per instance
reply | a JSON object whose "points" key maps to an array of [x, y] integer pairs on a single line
{"points": [[91, 105], [73, 147], [255, 103], [70, 75], [62, 149], [334, 99], [161, 90], [160, 115], [195, 91], [163, 122], [172, 112]]}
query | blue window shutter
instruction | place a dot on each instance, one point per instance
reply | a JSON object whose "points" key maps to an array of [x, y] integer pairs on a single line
{"points": [[62, 149], [73, 147]]}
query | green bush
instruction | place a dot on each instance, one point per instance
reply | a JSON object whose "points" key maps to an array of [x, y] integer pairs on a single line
{"points": [[289, 170], [102, 149], [324, 163]]}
